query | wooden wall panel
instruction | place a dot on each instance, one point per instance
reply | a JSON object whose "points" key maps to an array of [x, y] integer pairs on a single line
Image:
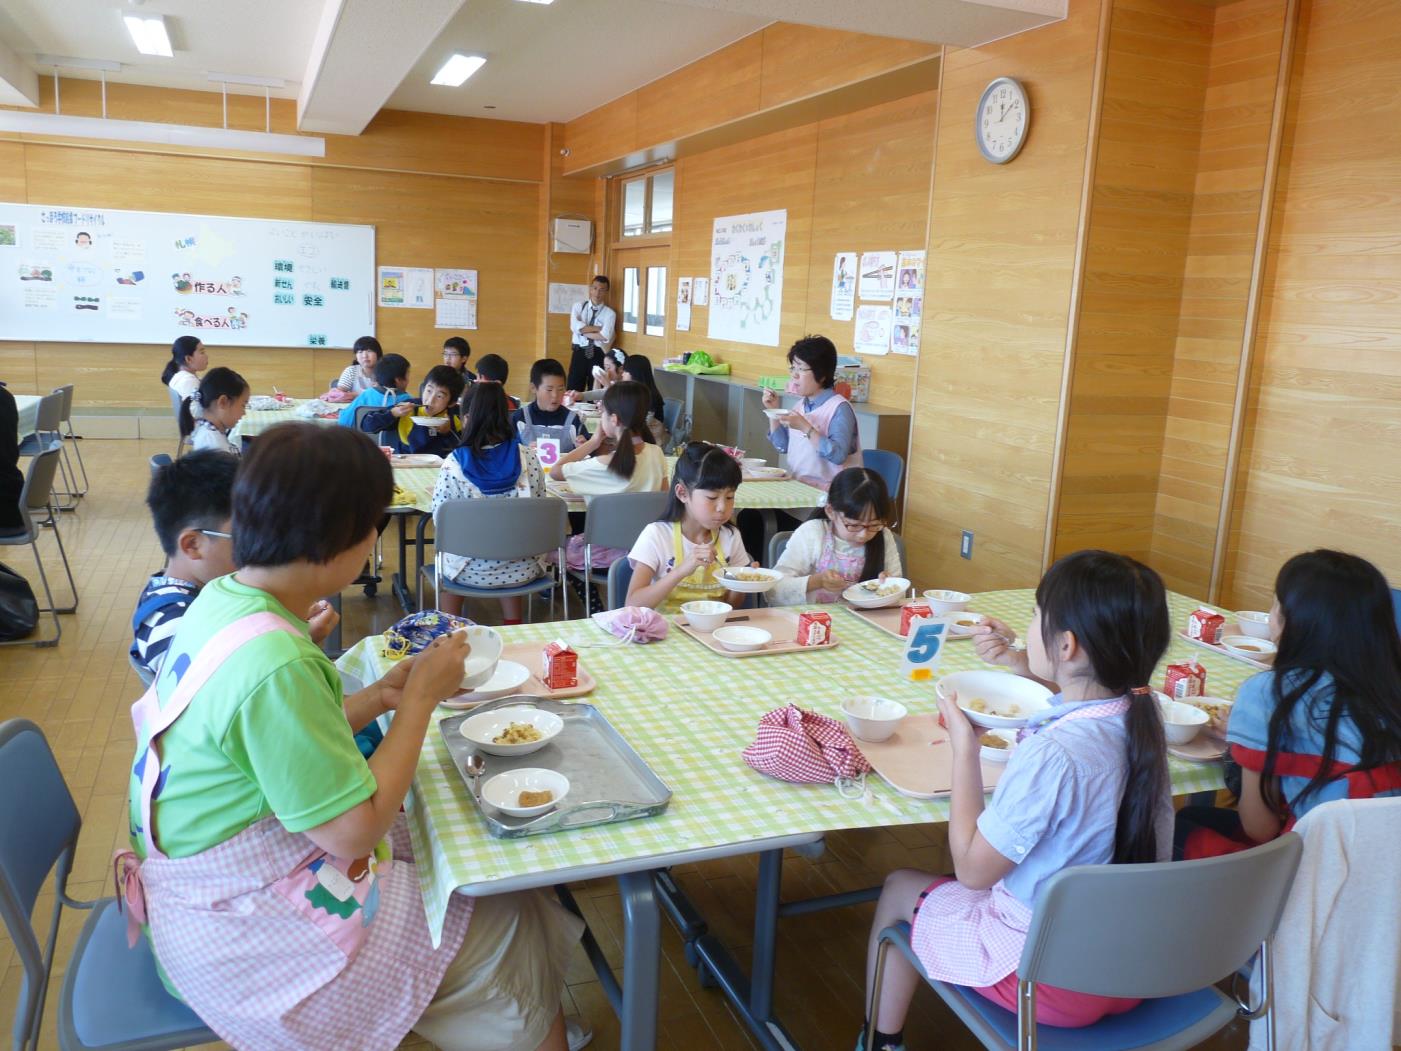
{"points": [[805, 60], [1320, 466], [720, 87], [603, 133]]}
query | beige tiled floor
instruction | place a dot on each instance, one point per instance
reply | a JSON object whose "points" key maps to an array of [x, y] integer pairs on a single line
{"points": [[80, 691]]}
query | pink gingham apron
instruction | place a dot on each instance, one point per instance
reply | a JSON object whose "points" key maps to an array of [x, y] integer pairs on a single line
{"points": [[848, 567], [274, 943], [975, 937], [803, 460]]}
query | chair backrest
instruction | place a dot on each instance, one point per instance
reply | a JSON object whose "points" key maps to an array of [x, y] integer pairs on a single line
{"points": [[1158, 930], [66, 391], [50, 414], [160, 460], [1396, 604], [175, 402], [34, 837], [619, 578], [503, 528], [777, 543], [616, 520], [382, 437], [890, 466], [39, 481], [671, 412]]}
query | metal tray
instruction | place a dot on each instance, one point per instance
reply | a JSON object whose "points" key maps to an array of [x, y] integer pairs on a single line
{"points": [[608, 781]]}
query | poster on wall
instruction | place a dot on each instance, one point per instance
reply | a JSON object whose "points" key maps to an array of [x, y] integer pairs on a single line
{"points": [[904, 336], [877, 275], [563, 297], [455, 313], [843, 285], [910, 273], [746, 272], [405, 286], [873, 329], [683, 304], [700, 291], [455, 284]]}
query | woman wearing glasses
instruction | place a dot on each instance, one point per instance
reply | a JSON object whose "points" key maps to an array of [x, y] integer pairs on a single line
{"points": [[820, 435]]}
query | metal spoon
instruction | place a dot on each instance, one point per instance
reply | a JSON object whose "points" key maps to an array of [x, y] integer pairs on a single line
{"points": [[474, 767]]}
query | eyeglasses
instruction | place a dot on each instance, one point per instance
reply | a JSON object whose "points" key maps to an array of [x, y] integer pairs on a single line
{"points": [[860, 527], [217, 534], [797, 370]]}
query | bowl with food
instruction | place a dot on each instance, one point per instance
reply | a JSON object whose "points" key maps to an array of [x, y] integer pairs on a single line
{"points": [[481, 661], [1249, 647], [1253, 623], [527, 792], [511, 731], [962, 623], [995, 700], [775, 414], [740, 638], [876, 594], [749, 581], [1181, 721], [942, 600], [995, 746], [705, 615], [872, 719], [753, 463], [428, 421], [1218, 712]]}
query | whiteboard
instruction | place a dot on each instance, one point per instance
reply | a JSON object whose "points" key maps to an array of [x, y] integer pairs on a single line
{"points": [[100, 275]]}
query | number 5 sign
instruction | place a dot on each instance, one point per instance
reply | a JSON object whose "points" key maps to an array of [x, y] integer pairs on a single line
{"points": [[925, 649]]}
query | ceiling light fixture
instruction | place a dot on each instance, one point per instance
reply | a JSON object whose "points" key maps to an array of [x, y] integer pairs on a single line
{"points": [[163, 134], [149, 35], [457, 69], [539, 1]]}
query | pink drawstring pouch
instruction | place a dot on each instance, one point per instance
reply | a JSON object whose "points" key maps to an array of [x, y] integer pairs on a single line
{"points": [[794, 744], [337, 396], [633, 624]]}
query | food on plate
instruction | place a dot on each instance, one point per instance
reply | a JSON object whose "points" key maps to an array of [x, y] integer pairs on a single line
{"points": [[517, 733], [749, 576], [1006, 711], [991, 740], [968, 621], [1250, 647], [881, 589], [528, 798], [1218, 714]]}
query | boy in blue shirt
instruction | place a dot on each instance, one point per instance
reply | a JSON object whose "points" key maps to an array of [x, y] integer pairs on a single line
{"points": [[391, 382], [442, 388]]}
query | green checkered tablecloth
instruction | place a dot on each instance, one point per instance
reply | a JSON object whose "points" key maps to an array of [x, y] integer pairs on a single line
{"points": [[419, 483], [689, 713], [255, 422]]}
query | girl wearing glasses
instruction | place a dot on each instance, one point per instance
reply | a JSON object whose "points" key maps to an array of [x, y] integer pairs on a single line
{"points": [[844, 543], [819, 435]]}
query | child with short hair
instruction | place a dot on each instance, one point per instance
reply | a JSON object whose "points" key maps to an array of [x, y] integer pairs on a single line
{"points": [[676, 560], [845, 542], [359, 375], [456, 352], [437, 399], [546, 424], [492, 368], [391, 383], [213, 410]]}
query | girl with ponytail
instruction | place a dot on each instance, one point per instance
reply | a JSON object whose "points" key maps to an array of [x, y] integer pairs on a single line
{"points": [[214, 409], [187, 361], [1087, 785]]}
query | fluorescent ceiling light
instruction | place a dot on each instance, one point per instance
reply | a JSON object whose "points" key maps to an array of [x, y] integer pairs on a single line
{"points": [[68, 62], [149, 35], [457, 69], [241, 78], [539, 1], [171, 134]]}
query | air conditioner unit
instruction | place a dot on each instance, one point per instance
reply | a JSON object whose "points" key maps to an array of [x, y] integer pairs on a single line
{"points": [[573, 235]]}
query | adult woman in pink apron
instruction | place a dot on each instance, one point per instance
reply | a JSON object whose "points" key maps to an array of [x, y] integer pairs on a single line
{"points": [[269, 863], [820, 435]]}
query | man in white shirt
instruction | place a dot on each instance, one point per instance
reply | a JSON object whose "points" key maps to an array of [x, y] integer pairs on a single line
{"points": [[592, 323]]}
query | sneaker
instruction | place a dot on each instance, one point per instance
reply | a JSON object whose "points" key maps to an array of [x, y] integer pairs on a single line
{"points": [[578, 1032], [861, 1044]]}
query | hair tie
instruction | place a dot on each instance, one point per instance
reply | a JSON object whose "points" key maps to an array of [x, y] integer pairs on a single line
{"points": [[1141, 691]]}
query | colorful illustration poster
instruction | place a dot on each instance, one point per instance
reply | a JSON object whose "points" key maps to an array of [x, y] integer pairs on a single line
{"points": [[910, 272], [746, 274], [904, 337], [843, 285], [455, 284], [908, 305], [683, 304], [700, 292], [391, 286], [877, 275], [873, 329]]}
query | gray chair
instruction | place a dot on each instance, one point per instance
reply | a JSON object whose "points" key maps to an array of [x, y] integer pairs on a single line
{"points": [[890, 466], [504, 528], [619, 577], [112, 997], [34, 498], [1162, 933], [678, 424], [380, 437], [616, 520], [779, 541], [48, 434], [183, 440], [160, 460], [71, 439]]}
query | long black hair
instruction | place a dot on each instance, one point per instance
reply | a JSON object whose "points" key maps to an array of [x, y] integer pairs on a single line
{"points": [[180, 352], [1338, 621], [854, 492], [366, 343], [218, 382], [1117, 610], [639, 367], [701, 466], [487, 417], [627, 401]]}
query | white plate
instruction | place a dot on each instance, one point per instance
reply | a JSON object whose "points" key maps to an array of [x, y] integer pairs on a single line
{"points": [[429, 421], [416, 460], [961, 631], [863, 598], [998, 755], [774, 414], [764, 472], [503, 791], [481, 729], [998, 690], [751, 587], [1252, 649], [507, 679]]}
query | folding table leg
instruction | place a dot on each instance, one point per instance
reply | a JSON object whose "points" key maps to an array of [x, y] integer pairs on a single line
{"points": [[642, 950]]}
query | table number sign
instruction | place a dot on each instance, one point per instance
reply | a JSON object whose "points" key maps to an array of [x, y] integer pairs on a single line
{"points": [[924, 649], [548, 450]]}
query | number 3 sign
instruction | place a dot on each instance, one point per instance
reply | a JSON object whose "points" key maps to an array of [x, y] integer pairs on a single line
{"points": [[924, 651], [548, 450]]}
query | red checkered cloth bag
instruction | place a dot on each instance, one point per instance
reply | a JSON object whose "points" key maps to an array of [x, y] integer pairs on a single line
{"points": [[794, 744]]}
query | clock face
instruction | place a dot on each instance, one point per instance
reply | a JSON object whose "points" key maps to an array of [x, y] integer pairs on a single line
{"points": [[1002, 119]]}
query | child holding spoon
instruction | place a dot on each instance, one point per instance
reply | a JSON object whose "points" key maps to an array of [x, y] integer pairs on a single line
{"points": [[845, 542]]}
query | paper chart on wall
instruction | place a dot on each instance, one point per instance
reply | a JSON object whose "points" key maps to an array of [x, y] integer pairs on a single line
{"points": [[563, 297], [873, 329], [910, 273], [746, 268], [877, 275], [683, 304], [700, 291], [455, 313], [843, 285], [406, 286]]}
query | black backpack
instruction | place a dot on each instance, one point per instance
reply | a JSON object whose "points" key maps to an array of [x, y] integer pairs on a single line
{"points": [[19, 610]]}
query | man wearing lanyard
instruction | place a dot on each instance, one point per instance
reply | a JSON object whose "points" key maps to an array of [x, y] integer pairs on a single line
{"points": [[592, 323]]}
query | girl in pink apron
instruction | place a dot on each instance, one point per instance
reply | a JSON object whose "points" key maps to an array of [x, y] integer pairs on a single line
{"points": [[269, 864], [820, 435], [1072, 793], [844, 543]]}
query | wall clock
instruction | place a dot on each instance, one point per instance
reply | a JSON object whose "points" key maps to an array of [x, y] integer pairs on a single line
{"points": [[1002, 119]]}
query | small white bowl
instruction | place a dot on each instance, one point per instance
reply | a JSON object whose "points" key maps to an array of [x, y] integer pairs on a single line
{"points": [[1181, 721], [1249, 647], [428, 421], [739, 638], [962, 623], [774, 414], [482, 729], [480, 664], [873, 719], [943, 601], [998, 755], [770, 577], [997, 690], [753, 463], [1253, 623], [503, 791], [877, 594], [706, 615]]}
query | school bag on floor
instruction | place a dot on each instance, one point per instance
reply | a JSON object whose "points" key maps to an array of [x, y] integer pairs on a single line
{"points": [[19, 610]]}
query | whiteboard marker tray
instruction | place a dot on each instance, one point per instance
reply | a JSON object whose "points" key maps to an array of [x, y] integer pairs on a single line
{"points": [[608, 781]]}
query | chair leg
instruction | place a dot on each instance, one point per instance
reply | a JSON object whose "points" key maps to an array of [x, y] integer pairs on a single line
{"points": [[71, 472], [48, 594], [1267, 995], [882, 947], [72, 587], [1026, 1016], [564, 583], [70, 435]]}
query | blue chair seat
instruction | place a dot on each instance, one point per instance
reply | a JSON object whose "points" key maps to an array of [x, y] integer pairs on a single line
{"points": [[113, 996]]}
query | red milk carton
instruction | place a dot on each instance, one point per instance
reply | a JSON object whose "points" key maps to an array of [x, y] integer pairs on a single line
{"points": [[1206, 626], [560, 667], [1186, 679], [913, 611], [814, 628]]}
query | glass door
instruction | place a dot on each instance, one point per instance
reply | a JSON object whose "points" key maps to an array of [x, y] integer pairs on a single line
{"points": [[641, 294]]}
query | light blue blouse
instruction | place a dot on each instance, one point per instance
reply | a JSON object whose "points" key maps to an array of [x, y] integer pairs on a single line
{"points": [[840, 440]]}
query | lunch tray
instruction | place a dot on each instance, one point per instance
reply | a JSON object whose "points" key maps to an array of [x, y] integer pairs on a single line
{"points": [[1217, 648], [917, 760], [608, 781], [530, 655], [780, 622], [887, 619]]}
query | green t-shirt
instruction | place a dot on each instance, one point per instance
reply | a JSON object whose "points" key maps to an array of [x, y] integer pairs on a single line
{"points": [[267, 734]]}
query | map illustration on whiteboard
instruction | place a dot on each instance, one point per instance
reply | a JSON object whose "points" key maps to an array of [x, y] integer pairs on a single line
{"points": [[746, 277]]}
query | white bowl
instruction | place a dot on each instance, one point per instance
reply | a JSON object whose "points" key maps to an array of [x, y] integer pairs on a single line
{"points": [[1254, 623], [942, 601], [998, 690], [750, 587], [961, 622], [1218, 712], [753, 463], [706, 615], [480, 664], [774, 414], [872, 719], [1181, 721], [738, 638], [998, 755], [1249, 647], [482, 729], [876, 594], [503, 791], [428, 421]]}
